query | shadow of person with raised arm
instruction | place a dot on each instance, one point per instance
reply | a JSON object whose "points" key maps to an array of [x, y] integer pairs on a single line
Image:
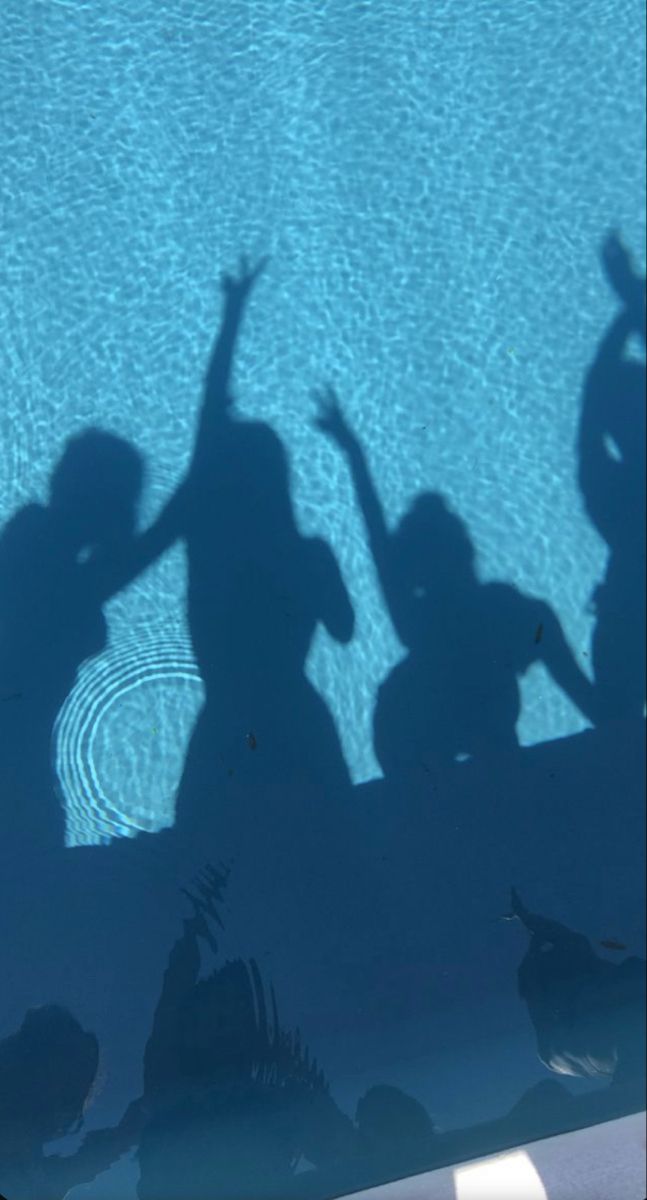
{"points": [[59, 565], [257, 590], [48, 1070], [265, 779], [455, 695], [265, 776], [588, 1013], [611, 446]]}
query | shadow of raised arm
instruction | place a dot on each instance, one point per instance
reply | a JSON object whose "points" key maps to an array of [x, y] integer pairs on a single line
{"points": [[331, 421], [217, 398]]}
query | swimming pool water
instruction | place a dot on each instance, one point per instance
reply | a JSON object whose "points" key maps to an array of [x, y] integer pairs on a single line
{"points": [[432, 189], [432, 184]]}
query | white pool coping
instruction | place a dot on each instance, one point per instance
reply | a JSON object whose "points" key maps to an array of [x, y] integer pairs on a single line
{"points": [[601, 1162]]}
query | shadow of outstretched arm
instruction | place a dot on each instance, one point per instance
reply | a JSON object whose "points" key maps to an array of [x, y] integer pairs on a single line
{"points": [[601, 471], [559, 660], [217, 399], [332, 422], [114, 575]]}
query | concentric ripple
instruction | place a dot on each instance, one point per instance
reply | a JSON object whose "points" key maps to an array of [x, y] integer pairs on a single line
{"points": [[121, 737]]}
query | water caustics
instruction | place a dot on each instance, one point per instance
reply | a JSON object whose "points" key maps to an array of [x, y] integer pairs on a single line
{"points": [[128, 717]]}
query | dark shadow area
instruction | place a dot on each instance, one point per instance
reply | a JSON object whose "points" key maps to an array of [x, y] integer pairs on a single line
{"points": [[234, 1107], [257, 590], [588, 1013], [612, 478], [48, 1069], [232, 1101], [455, 696], [265, 780], [59, 565], [373, 910]]}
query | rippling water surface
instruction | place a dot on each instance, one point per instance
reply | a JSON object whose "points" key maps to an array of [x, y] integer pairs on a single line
{"points": [[432, 183]]}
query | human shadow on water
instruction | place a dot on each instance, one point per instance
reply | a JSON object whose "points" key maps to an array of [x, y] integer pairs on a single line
{"points": [[460, 798], [60, 562], [265, 779], [257, 590], [227, 1089], [455, 696], [611, 446], [59, 565], [48, 1070]]}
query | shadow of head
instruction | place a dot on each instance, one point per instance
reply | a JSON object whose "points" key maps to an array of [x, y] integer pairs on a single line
{"points": [[432, 543], [47, 1070], [96, 487]]}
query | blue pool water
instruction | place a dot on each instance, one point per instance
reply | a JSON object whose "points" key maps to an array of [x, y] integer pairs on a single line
{"points": [[431, 185], [432, 192]]}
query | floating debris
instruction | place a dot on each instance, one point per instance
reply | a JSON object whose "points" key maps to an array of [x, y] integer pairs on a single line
{"points": [[612, 944], [539, 633], [251, 741]]}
